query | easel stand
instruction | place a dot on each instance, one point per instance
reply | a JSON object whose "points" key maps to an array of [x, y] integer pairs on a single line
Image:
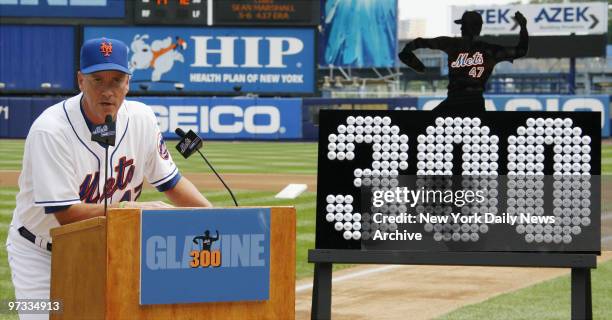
{"points": [[581, 265]]}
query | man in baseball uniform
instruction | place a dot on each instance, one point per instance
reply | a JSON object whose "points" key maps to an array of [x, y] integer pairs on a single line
{"points": [[63, 169], [470, 61]]}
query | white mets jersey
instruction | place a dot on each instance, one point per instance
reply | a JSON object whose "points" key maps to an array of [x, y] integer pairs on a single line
{"points": [[62, 166]]}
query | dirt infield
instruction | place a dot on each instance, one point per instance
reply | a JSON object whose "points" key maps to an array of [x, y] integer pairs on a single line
{"points": [[422, 292]]}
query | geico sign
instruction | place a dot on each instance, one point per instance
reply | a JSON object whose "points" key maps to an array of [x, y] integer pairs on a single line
{"points": [[206, 119], [279, 47], [537, 104]]}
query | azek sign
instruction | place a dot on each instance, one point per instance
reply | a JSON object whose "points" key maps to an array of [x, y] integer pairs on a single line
{"points": [[542, 19]]}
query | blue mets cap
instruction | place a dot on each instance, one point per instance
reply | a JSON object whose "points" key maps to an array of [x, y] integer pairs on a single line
{"points": [[104, 54]]}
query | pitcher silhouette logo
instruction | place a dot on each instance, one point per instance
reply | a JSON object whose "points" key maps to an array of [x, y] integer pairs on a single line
{"points": [[205, 257], [159, 56]]}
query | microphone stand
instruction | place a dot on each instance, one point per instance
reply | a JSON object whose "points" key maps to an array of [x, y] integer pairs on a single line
{"points": [[220, 179], [106, 141], [104, 135], [191, 141], [105, 178]]}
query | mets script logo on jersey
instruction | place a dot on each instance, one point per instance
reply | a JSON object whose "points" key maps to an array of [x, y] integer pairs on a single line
{"points": [[464, 60], [205, 257], [119, 181], [161, 147], [106, 48], [159, 56]]}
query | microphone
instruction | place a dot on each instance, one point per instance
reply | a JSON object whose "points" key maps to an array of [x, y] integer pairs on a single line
{"points": [[190, 142], [105, 134]]}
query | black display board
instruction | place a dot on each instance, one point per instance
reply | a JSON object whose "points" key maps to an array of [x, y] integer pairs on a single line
{"points": [[546, 164]]}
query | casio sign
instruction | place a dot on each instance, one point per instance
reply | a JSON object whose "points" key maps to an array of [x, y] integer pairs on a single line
{"points": [[205, 119], [251, 56]]}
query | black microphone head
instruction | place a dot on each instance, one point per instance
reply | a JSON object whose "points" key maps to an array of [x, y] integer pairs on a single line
{"points": [[180, 132], [105, 133], [190, 142]]}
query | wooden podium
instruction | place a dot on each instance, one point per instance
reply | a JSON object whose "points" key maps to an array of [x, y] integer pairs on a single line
{"points": [[95, 272]]}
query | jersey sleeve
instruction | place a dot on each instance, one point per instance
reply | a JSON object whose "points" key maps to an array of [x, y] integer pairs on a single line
{"points": [[53, 174], [161, 171], [502, 53], [439, 43]]}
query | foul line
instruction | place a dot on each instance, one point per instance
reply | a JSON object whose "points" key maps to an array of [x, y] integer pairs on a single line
{"points": [[350, 276]]}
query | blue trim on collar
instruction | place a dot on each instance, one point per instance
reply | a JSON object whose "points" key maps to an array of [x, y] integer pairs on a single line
{"points": [[90, 124], [77, 135], [127, 125]]}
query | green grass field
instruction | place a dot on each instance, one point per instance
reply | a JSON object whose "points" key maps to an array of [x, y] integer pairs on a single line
{"points": [[546, 300], [227, 157], [301, 158]]}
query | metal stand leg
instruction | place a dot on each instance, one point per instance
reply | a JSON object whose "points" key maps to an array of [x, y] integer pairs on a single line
{"points": [[321, 292], [581, 294]]}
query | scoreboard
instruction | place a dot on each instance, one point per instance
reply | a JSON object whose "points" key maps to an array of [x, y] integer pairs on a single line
{"points": [[183, 12], [228, 12], [166, 12], [266, 12]]}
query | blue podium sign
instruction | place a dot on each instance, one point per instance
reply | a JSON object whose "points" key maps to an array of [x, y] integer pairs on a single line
{"points": [[204, 255]]}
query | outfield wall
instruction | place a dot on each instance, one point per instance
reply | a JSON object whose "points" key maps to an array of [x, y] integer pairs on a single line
{"points": [[212, 118], [597, 103], [247, 118]]}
